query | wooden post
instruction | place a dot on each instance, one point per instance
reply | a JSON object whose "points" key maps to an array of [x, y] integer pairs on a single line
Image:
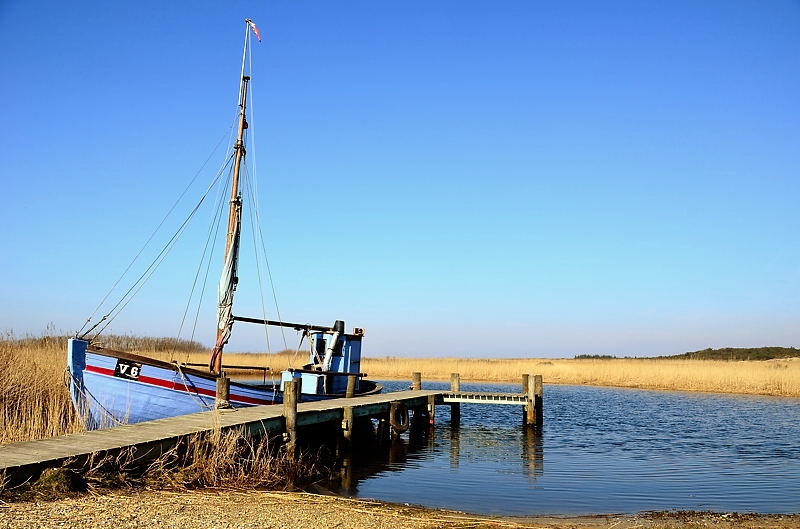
{"points": [[528, 401], [455, 408], [347, 426], [416, 380], [347, 416], [420, 418], [222, 400], [383, 428], [534, 405], [291, 394], [530, 408], [455, 382], [431, 409]]}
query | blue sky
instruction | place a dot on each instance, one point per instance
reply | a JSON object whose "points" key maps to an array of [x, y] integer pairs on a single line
{"points": [[460, 178]]}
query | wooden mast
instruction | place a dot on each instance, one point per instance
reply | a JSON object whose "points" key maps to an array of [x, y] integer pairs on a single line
{"points": [[234, 226], [234, 212]]}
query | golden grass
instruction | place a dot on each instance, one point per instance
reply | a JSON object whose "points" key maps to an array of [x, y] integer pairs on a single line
{"points": [[222, 460], [763, 377], [231, 460], [750, 377], [34, 400]]}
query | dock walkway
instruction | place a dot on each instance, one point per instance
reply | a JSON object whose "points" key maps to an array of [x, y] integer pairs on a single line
{"points": [[23, 461]]}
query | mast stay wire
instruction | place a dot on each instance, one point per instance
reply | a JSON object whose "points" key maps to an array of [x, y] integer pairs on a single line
{"points": [[260, 254], [208, 265], [206, 259], [252, 185], [145, 276], [153, 234], [213, 232], [255, 227]]}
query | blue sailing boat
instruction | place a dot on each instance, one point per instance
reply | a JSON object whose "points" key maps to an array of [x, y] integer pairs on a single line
{"points": [[111, 387]]}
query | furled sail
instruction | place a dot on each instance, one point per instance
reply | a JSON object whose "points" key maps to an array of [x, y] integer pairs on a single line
{"points": [[227, 285]]}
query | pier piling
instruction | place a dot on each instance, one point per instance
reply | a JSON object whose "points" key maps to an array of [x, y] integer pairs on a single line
{"points": [[291, 395], [455, 408], [534, 403], [525, 378], [431, 409], [348, 417], [223, 396], [416, 381], [538, 403]]}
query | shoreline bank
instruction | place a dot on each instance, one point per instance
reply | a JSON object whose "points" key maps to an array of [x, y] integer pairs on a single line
{"points": [[300, 510]]}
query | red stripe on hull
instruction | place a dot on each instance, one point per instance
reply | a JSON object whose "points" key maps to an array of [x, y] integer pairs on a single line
{"points": [[175, 386]]}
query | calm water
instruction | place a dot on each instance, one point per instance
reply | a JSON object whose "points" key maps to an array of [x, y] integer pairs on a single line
{"points": [[600, 451]]}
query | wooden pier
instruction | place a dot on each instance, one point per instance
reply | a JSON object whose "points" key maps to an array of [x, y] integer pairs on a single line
{"points": [[20, 462]]}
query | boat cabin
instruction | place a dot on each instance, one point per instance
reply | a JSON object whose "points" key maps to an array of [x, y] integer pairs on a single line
{"points": [[334, 355]]}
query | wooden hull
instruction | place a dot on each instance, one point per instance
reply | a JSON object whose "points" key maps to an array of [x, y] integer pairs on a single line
{"points": [[109, 388]]}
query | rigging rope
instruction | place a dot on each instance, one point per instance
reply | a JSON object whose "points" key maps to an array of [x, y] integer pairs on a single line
{"points": [[140, 282], [213, 232], [216, 222], [152, 235], [195, 395], [69, 379], [252, 185], [256, 228]]}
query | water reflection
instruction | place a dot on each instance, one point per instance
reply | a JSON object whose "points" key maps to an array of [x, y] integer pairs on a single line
{"points": [[607, 450], [474, 443], [533, 452], [455, 445]]}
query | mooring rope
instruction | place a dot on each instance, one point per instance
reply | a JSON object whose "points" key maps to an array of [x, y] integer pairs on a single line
{"points": [[198, 399], [82, 391]]}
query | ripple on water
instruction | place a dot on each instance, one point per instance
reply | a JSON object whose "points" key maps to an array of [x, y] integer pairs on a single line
{"points": [[601, 450]]}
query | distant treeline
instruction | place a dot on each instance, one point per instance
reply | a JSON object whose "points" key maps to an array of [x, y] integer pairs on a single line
{"points": [[726, 353], [741, 353]]}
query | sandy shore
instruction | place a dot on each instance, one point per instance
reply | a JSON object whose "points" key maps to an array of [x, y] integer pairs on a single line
{"points": [[266, 510]]}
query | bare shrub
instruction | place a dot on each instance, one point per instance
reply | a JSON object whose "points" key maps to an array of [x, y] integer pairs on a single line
{"points": [[231, 460]]}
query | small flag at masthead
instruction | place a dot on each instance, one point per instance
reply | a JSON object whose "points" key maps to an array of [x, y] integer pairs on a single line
{"points": [[254, 28]]}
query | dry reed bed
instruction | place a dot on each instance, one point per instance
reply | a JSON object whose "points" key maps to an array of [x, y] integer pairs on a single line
{"points": [[34, 402], [748, 377], [770, 377]]}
